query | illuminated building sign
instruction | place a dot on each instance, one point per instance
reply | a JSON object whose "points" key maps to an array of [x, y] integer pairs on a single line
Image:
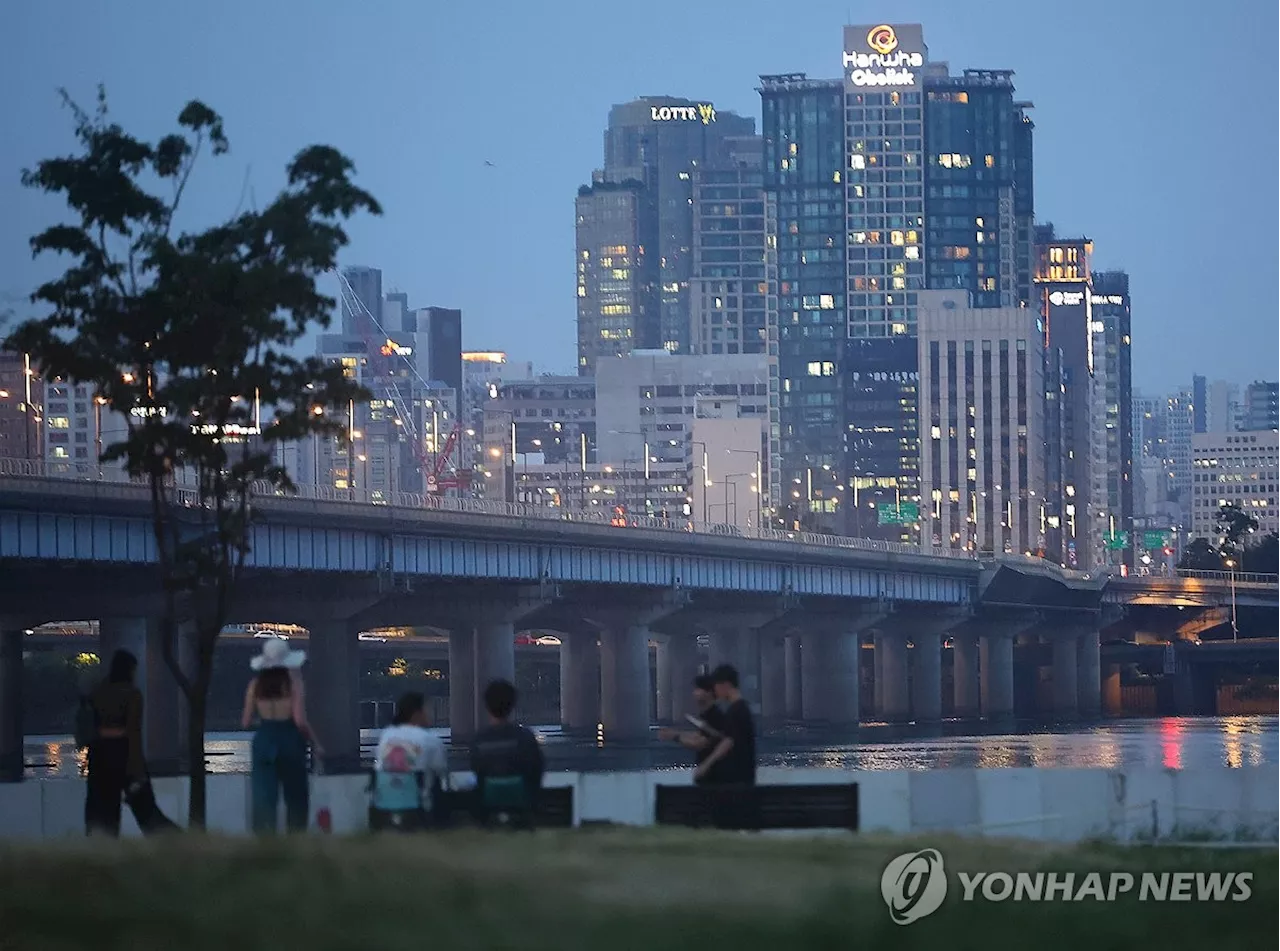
{"points": [[886, 61], [1066, 298], [703, 111], [1106, 299], [484, 356], [391, 348]]}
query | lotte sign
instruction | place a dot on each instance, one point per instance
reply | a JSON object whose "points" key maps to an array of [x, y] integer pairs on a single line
{"points": [[703, 111], [884, 55]]}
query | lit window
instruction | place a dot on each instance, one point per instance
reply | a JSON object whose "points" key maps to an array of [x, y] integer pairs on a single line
{"points": [[899, 329], [792, 148], [912, 253], [59, 422], [990, 161], [935, 432], [826, 301], [814, 369], [896, 237], [857, 161]]}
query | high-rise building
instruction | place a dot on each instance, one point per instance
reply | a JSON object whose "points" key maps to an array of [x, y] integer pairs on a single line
{"points": [[804, 166], [1242, 469], [727, 287], [441, 329], [661, 141], [982, 378], [1113, 357], [366, 284], [617, 271], [1216, 406], [898, 178], [21, 395], [1064, 285], [1260, 408]]}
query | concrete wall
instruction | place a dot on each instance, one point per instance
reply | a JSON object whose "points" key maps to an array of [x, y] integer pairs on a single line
{"points": [[1051, 804]]}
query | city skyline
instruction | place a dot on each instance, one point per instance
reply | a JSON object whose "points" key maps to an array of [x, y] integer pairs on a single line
{"points": [[444, 203]]}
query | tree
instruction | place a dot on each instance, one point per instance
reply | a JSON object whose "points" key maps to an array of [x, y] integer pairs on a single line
{"points": [[1234, 524], [188, 336], [1263, 557], [1200, 555]]}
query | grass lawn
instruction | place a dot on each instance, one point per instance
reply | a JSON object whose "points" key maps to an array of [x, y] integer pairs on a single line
{"points": [[650, 889]]}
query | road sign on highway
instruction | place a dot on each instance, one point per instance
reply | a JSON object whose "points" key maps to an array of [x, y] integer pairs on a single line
{"points": [[902, 514]]}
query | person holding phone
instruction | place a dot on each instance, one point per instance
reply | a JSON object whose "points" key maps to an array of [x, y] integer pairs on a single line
{"points": [[708, 730]]}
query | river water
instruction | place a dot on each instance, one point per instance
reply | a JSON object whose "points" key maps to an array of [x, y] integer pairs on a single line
{"points": [[1170, 742]]}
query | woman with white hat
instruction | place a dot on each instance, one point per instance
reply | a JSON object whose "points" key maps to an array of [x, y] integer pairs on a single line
{"points": [[279, 755]]}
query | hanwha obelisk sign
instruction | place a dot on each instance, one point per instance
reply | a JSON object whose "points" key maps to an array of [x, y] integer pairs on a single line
{"points": [[888, 56]]}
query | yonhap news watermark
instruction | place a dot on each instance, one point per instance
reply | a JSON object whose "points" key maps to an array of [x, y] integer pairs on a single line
{"points": [[915, 885]]}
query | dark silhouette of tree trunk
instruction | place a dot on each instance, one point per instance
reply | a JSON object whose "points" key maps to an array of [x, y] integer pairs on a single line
{"points": [[188, 336]]}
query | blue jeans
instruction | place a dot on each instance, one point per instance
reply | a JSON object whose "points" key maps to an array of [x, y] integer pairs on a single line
{"points": [[279, 758]]}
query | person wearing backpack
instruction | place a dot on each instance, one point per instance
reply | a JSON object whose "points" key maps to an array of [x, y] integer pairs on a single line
{"points": [[410, 771], [109, 724], [508, 764]]}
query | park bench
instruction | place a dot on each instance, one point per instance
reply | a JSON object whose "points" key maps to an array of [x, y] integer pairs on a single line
{"points": [[796, 806], [555, 807]]}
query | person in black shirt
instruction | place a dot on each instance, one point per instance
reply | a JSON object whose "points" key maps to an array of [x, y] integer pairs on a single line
{"points": [[508, 763], [710, 728], [734, 757]]}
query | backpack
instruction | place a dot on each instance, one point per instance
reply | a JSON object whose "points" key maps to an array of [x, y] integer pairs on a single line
{"points": [[86, 727]]}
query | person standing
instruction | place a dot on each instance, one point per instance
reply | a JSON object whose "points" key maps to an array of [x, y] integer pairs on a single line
{"points": [[708, 730], [410, 769], [114, 745], [277, 698], [734, 757], [508, 763]]}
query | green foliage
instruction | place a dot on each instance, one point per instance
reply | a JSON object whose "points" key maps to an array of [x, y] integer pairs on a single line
{"points": [[1234, 525], [1200, 555], [1263, 557], [188, 336]]}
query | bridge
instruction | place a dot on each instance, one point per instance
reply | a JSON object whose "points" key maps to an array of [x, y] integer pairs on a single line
{"points": [[791, 610]]}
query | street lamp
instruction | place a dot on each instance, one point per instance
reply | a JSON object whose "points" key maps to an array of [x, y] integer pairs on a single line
{"points": [[759, 489], [1231, 567]]}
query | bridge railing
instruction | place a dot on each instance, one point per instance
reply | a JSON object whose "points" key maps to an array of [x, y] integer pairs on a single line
{"points": [[1239, 577], [111, 481]]}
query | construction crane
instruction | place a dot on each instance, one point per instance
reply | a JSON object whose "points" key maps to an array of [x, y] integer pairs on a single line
{"points": [[382, 352]]}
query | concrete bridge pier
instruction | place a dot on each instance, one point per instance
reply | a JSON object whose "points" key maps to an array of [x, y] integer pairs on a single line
{"points": [[580, 681], [965, 677], [333, 690], [664, 685], [1089, 675], [462, 683], [164, 708], [624, 666], [682, 665], [831, 664], [1066, 664], [893, 702], [773, 678], [794, 686], [926, 631], [495, 646], [996, 659], [1112, 704], [11, 762]]}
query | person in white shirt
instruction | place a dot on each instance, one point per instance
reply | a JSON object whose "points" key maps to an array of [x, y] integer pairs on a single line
{"points": [[410, 762]]}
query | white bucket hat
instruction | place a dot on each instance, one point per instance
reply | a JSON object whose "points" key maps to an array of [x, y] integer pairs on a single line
{"points": [[276, 653]]}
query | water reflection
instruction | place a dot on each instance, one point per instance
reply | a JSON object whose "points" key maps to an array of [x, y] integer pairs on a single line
{"points": [[1173, 743]]}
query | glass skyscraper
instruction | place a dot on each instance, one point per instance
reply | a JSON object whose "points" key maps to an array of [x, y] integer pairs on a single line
{"points": [[894, 179]]}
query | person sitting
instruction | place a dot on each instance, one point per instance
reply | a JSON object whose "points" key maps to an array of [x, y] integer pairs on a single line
{"points": [[508, 764], [410, 768]]}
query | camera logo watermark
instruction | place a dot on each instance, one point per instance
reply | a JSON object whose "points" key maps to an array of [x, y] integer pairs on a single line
{"points": [[914, 885]]}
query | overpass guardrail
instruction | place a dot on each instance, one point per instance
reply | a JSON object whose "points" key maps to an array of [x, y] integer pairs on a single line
{"points": [[110, 482]]}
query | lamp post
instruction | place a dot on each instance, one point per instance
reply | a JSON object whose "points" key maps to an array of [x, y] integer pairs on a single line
{"points": [[1231, 567], [759, 489], [98, 403]]}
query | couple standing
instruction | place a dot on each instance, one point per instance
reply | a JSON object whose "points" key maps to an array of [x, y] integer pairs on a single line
{"points": [[724, 735]]}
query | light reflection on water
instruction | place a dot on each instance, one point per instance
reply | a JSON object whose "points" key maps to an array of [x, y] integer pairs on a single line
{"points": [[1171, 742]]}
